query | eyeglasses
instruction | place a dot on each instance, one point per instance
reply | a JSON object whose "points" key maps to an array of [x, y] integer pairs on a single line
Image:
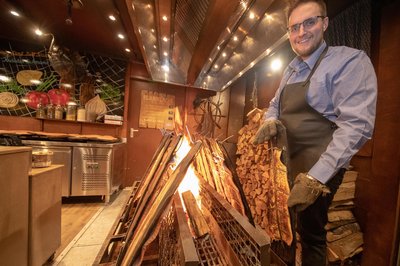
{"points": [[307, 24]]}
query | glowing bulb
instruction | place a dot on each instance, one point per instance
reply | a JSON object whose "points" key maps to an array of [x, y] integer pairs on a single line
{"points": [[252, 16], [14, 13], [111, 17], [276, 64], [38, 32], [121, 36], [165, 18]]}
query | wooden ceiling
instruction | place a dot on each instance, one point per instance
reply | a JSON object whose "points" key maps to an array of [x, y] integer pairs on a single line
{"points": [[194, 38]]}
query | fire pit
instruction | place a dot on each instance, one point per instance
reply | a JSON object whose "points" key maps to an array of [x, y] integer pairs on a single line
{"points": [[213, 234]]}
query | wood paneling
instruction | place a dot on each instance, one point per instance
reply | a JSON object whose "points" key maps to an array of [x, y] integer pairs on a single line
{"points": [[377, 187], [20, 123]]}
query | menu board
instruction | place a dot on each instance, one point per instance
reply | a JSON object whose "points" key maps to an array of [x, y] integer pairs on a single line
{"points": [[156, 110]]}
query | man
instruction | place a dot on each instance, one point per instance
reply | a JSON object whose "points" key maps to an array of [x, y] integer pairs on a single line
{"points": [[326, 101]]}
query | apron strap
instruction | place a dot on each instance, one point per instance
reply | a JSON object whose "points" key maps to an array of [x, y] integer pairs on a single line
{"points": [[316, 65]]}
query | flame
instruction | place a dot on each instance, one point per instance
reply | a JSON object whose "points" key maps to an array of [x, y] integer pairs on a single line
{"points": [[190, 181]]}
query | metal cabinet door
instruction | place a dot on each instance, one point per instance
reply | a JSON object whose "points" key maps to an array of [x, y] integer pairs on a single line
{"points": [[91, 171]]}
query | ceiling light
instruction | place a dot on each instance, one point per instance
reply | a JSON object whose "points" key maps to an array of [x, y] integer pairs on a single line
{"points": [[121, 36], [216, 66], [155, 46], [128, 50], [152, 30], [165, 68], [252, 16], [243, 3], [14, 13], [165, 39], [165, 53], [276, 64], [38, 32], [235, 38], [218, 47], [111, 17], [165, 18], [224, 54]]}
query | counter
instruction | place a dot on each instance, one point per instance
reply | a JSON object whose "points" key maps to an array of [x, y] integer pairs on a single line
{"points": [[14, 167], [44, 213]]}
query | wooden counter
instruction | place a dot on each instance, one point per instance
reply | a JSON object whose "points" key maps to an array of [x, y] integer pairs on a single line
{"points": [[44, 213], [14, 168]]}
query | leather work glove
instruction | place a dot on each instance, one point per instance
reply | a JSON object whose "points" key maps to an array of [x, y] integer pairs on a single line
{"points": [[305, 192], [266, 131]]}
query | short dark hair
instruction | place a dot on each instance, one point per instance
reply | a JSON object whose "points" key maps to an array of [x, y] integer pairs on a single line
{"points": [[294, 4]]}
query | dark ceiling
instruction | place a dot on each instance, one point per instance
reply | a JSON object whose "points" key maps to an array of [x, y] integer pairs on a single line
{"points": [[208, 43]]}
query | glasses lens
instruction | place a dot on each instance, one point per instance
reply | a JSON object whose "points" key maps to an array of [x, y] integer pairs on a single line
{"points": [[309, 23]]}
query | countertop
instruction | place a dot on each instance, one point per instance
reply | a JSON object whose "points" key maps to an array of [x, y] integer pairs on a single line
{"points": [[41, 170], [13, 149]]}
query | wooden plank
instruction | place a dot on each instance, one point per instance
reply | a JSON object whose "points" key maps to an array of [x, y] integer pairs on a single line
{"points": [[157, 208], [196, 217]]}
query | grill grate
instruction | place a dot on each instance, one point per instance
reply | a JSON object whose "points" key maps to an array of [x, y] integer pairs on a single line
{"points": [[208, 253], [245, 246], [168, 241]]}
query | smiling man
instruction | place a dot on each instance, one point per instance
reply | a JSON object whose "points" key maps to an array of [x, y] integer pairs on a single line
{"points": [[327, 103]]}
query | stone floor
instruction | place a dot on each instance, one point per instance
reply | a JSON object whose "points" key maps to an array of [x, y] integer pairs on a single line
{"points": [[84, 248]]}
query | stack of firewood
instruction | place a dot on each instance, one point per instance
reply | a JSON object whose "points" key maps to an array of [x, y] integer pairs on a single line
{"points": [[344, 237], [264, 180]]}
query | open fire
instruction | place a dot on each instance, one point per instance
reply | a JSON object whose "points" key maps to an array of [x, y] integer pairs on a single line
{"points": [[155, 209]]}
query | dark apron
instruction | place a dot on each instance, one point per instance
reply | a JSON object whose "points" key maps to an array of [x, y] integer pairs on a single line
{"points": [[308, 132], [308, 135]]}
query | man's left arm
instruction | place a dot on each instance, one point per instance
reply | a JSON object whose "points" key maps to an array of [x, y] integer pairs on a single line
{"points": [[354, 93]]}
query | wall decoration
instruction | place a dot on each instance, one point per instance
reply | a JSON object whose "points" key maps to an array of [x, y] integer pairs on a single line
{"points": [[31, 78], [156, 110]]}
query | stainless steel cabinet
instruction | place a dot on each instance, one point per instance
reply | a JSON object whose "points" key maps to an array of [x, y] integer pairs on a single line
{"points": [[91, 171]]}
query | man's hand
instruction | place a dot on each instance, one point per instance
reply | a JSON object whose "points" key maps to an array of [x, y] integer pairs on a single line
{"points": [[266, 131], [305, 192]]}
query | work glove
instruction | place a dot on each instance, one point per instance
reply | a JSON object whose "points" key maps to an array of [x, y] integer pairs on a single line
{"points": [[266, 131], [305, 192]]}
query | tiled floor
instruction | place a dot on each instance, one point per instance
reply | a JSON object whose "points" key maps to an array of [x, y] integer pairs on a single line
{"points": [[84, 248]]}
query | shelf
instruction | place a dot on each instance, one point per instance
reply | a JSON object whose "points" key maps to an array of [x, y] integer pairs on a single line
{"points": [[74, 121]]}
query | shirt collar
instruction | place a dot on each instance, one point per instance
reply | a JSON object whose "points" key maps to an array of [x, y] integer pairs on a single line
{"points": [[298, 64]]}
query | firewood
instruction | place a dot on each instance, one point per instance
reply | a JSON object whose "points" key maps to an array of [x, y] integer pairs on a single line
{"points": [[264, 180], [336, 216], [346, 247], [195, 216], [150, 218], [342, 231]]}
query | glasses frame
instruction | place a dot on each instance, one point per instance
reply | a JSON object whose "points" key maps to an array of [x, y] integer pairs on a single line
{"points": [[295, 28]]}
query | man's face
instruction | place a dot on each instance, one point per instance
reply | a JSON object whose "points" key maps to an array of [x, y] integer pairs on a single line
{"points": [[306, 40]]}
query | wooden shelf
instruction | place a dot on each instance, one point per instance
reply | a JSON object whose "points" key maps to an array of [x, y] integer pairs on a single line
{"points": [[75, 121]]}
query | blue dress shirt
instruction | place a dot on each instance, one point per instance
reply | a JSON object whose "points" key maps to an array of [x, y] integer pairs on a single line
{"points": [[342, 89]]}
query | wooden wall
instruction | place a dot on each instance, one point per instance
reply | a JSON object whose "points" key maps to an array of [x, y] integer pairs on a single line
{"points": [[377, 189]]}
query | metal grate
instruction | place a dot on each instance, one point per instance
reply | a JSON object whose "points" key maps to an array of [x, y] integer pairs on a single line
{"points": [[244, 246], [96, 157], [91, 181], [208, 253], [168, 241]]}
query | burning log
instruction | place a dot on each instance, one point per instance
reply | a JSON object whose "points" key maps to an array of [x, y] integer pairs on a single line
{"points": [[199, 223], [161, 201]]}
